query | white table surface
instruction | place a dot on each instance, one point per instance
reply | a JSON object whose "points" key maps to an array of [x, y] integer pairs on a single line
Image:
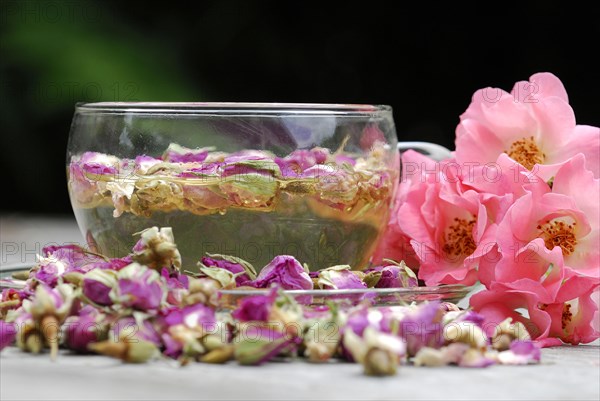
{"points": [[566, 373]]}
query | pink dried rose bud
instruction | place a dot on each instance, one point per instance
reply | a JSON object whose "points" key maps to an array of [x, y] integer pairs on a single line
{"points": [[284, 271], [380, 353], [422, 327], [184, 328], [56, 261], [257, 343], [157, 249], [97, 286], [8, 333], [138, 288], [88, 327], [339, 278], [243, 270], [391, 275]]}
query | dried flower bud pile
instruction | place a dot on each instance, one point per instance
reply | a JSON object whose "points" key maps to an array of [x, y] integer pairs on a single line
{"points": [[141, 307]]}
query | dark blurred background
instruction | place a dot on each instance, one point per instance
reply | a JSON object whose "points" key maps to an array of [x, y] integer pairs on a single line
{"points": [[424, 60]]}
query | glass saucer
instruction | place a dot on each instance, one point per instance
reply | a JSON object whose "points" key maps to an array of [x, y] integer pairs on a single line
{"points": [[230, 299]]}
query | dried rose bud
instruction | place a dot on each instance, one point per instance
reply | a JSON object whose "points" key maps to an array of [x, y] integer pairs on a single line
{"points": [[203, 290], [466, 332], [138, 288], [449, 307], [156, 249], [11, 299], [56, 261], [138, 351], [422, 327], [375, 350], [242, 270], [520, 352], [322, 338], [475, 358], [255, 308], [428, 356], [86, 328], [47, 311], [222, 354], [380, 362], [339, 278], [177, 286], [507, 332], [393, 275], [256, 344], [286, 272], [8, 333], [97, 285], [225, 278], [185, 328], [29, 338]]}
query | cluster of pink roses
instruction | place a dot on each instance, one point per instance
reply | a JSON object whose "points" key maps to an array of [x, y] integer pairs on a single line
{"points": [[517, 208]]}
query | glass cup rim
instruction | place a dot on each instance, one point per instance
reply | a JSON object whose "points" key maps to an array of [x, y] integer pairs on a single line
{"points": [[229, 108]]}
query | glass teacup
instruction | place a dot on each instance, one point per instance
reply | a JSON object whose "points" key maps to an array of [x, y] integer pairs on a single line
{"points": [[253, 180]]}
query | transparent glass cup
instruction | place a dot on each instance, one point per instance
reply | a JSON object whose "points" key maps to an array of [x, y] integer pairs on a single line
{"points": [[252, 180]]}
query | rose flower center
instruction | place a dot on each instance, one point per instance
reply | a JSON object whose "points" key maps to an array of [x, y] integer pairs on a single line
{"points": [[567, 315], [526, 152], [558, 233], [458, 240]]}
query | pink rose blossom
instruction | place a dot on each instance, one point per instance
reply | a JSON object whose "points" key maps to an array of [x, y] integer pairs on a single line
{"points": [[449, 230], [567, 315], [567, 218], [395, 243], [534, 124]]}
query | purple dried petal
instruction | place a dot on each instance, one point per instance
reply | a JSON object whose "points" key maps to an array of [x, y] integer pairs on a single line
{"points": [[82, 330], [130, 329], [8, 333], [330, 279], [173, 348], [245, 155], [473, 317], [177, 284], [58, 260], [98, 163], [521, 352], [97, 292], [255, 308], [358, 321], [140, 295], [394, 276], [299, 160], [180, 154], [344, 159], [143, 163], [235, 268], [285, 271], [192, 316], [258, 344], [422, 328], [175, 280], [473, 358]]}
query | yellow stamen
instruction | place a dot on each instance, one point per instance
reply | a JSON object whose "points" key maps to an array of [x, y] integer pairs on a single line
{"points": [[567, 315], [558, 233], [526, 152], [459, 238]]}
